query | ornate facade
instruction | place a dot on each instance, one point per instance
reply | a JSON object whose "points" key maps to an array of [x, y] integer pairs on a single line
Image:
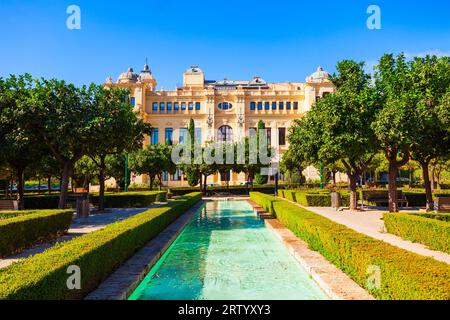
{"points": [[222, 110]]}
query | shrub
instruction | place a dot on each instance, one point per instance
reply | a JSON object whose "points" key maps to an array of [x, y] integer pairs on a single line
{"points": [[13, 214], [26, 229], [97, 254], [404, 275], [425, 229], [131, 199], [313, 199]]}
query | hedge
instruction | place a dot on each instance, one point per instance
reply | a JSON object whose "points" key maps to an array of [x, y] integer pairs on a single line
{"points": [[425, 229], [16, 213], [20, 232], [97, 254], [112, 200], [314, 198], [404, 275], [131, 199]]}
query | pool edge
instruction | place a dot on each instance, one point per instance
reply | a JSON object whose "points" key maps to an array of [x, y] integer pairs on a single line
{"points": [[122, 282], [333, 281]]}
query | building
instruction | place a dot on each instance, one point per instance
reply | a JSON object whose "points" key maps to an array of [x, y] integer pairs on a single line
{"points": [[223, 110]]}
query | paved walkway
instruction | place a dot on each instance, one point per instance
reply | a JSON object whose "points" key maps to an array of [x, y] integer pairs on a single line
{"points": [[78, 228], [370, 223]]}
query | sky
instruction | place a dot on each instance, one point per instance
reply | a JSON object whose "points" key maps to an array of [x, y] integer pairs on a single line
{"points": [[278, 40]]}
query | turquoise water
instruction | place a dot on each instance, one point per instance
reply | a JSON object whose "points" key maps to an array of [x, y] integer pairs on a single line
{"points": [[227, 253]]}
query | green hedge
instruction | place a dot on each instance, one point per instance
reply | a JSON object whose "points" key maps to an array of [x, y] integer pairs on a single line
{"points": [[404, 275], [131, 199], [20, 232], [437, 216], [16, 213], [420, 228], [97, 254], [140, 199]]}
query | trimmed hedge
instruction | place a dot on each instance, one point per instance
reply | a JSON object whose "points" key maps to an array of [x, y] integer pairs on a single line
{"points": [[314, 198], [27, 229], [404, 275], [97, 254], [140, 199], [131, 199], [16, 213], [427, 230]]}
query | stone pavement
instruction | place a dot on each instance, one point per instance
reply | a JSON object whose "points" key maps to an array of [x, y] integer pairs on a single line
{"points": [[78, 228], [370, 222]]}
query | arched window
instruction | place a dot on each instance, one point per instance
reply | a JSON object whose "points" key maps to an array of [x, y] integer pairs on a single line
{"points": [[224, 134], [225, 106]]}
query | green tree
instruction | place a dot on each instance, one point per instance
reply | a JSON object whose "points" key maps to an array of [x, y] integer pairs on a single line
{"points": [[18, 144], [261, 126], [65, 118], [83, 172], [117, 129], [153, 160], [337, 128], [48, 167], [430, 83], [394, 125]]}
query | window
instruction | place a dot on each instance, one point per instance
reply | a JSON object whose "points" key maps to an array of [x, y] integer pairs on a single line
{"points": [[198, 135], [161, 106], [269, 136], [165, 176], [183, 106], [252, 105], [225, 106], [155, 106], [288, 106], [183, 135], [177, 175], [154, 138], [169, 136], [224, 134], [133, 101], [281, 106], [282, 136], [260, 105], [176, 106], [266, 106], [274, 105], [295, 105], [197, 106], [191, 106], [169, 106]]}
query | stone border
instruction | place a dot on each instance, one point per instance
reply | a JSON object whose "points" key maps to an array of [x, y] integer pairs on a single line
{"points": [[336, 284], [122, 282]]}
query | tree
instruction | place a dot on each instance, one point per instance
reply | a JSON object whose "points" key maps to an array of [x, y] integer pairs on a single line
{"points": [[292, 169], [261, 128], [394, 125], [65, 118], [153, 160], [430, 82], [337, 128], [18, 145], [115, 168], [47, 167], [117, 129], [83, 172]]}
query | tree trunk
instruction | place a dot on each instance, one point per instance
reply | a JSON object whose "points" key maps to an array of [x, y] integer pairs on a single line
{"points": [[20, 182], [352, 187], [152, 178], [433, 185], [427, 184], [67, 171], [39, 184], [160, 181], [49, 184], [204, 183], [334, 177], [201, 183], [101, 181], [392, 186]]}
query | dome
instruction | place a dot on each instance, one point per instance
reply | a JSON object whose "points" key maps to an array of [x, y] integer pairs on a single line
{"points": [[319, 76], [194, 69], [146, 74], [128, 76], [257, 81]]}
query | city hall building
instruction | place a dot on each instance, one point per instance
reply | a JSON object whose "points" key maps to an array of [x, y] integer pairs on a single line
{"points": [[223, 110]]}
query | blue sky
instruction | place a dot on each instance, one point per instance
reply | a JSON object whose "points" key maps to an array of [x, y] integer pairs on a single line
{"points": [[278, 40]]}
